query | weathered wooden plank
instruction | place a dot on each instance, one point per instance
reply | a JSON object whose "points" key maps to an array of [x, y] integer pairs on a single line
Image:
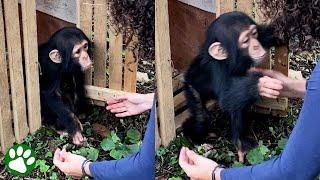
{"points": [[115, 60], [101, 94], [245, 6], [164, 73], [131, 67], [15, 68], [28, 9], [224, 6], [281, 60], [100, 43], [84, 14], [6, 131]]}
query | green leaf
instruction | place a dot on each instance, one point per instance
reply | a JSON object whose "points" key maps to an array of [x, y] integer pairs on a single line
{"points": [[54, 176], [282, 143], [257, 155], [89, 132], [93, 154], [133, 135], [48, 154], [162, 151], [133, 148], [114, 137], [107, 144], [175, 178], [237, 164], [42, 165], [115, 154]]}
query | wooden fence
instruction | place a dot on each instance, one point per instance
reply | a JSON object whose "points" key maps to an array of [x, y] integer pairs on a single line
{"points": [[279, 62], [114, 67], [111, 68], [19, 80]]}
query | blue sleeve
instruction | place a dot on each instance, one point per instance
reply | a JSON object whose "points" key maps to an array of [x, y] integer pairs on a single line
{"points": [[136, 166], [301, 156]]}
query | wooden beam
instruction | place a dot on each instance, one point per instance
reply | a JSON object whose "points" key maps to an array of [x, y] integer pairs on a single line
{"points": [[84, 14], [15, 68], [164, 73], [6, 131], [131, 67], [224, 6], [100, 43], [101, 94], [245, 6], [28, 9]]}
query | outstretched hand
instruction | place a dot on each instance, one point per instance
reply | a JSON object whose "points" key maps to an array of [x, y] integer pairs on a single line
{"points": [[196, 166], [130, 104]]}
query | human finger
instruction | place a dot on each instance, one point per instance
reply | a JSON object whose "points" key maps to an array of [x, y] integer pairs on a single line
{"points": [[117, 98], [183, 162], [117, 105], [119, 110], [123, 114], [268, 96]]}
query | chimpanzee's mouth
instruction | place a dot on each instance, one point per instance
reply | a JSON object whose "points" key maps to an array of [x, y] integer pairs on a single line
{"points": [[259, 59]]}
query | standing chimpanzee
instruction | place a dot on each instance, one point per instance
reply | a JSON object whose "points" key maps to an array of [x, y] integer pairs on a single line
{"points": [[63, 60], [220, 72]]}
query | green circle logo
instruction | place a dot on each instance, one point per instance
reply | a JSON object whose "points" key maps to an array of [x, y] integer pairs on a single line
{"points": [[20, 160]]}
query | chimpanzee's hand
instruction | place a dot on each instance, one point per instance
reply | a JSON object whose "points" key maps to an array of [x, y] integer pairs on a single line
{"points": [[130, 104]]}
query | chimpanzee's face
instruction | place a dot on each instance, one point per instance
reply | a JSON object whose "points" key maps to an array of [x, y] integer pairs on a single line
{"points": [[81, 56], [248, 41]]}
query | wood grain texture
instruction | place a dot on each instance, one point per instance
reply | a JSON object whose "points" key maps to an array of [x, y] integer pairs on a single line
{"points": [[84, 14], [28, 8], [100, 43], [164, 73], [6, 131], [115, 60], [188, 27], [101, 94], [15, 68], [245, 6], [131, 67], [224, 6]]}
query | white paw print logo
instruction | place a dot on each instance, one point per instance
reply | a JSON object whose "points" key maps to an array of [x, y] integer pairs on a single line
{"points": [[20, 160]]}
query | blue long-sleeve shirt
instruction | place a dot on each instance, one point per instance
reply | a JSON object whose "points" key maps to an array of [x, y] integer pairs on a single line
{"points": [[139, 165], [300, 160]]}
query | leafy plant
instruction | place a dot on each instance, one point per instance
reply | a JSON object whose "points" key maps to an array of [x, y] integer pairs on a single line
{"points": [[257, 155]]}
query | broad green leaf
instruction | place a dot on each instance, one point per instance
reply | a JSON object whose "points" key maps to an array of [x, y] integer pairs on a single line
{"points": [[107, 144], [93, 154], [115, 154], [114, 137], [133, 135]]}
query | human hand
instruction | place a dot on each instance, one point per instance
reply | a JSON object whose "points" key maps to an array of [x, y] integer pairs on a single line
{"points": [[130, 104], [274, 84], [69, 163], [196, 166]]}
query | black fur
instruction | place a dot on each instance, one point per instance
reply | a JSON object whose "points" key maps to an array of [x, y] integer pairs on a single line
{"points": [[226, 81], [62, 85]]}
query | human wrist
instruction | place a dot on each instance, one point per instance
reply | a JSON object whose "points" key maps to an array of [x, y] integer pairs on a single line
{"points": [[297, 88], [87, 169], [217, 173]]}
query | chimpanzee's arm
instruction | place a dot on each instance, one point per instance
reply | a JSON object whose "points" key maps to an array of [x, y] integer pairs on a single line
{"points": [[81, 101], [65, 116]]}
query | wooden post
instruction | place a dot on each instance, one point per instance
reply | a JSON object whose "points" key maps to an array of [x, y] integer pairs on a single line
{"points": [[15, 69], [164, 73], [31, 63], [131, 67], [100, 43], [115, 59], [6, 131], [84, 14], [224, 6], [245, 6]]}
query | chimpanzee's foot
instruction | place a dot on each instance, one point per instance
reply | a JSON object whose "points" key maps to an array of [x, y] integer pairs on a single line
{"points": [[241, 156], [78, 139]]}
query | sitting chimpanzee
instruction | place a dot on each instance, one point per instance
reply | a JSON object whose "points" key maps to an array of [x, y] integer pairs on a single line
{"points": [[220, 72], [63, 60]]}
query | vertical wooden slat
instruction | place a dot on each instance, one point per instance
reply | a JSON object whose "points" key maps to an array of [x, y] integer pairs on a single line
{"points": [[281, 60], [164, 73], [84, 14], [6, 131], [15, 68], [245, 6], [115, 60], [130, 68], [224, 6], [28, 8], [100, 43]]}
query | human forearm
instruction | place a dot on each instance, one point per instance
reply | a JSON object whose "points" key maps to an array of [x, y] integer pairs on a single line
{"points": [[295, 88]]}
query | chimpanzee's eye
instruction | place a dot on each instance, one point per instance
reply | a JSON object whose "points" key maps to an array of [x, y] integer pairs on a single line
{"points": [[85, 46], [254, 32], [246, 40]]}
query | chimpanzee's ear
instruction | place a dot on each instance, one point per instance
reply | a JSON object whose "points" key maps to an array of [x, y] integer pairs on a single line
{"points": [[217, 51], [55, 56]]}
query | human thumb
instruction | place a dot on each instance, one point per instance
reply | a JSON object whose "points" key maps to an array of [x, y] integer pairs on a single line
{"points": [[192, 156]]}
